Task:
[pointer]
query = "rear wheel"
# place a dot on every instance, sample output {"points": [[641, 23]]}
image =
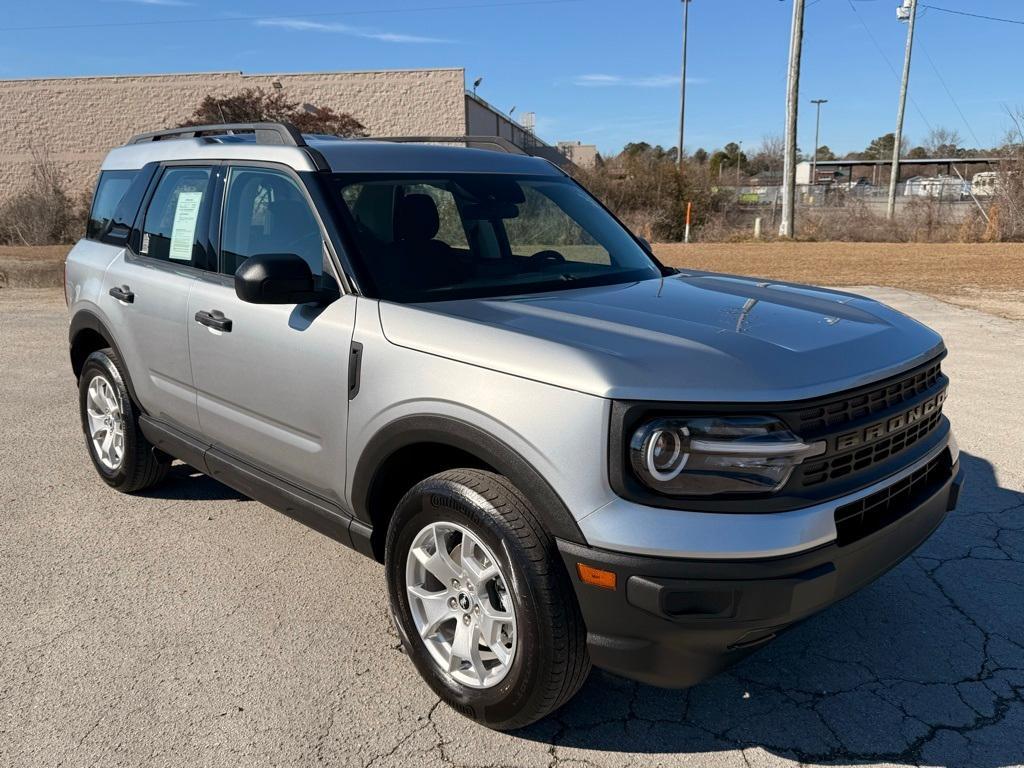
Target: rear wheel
{"points": [[119, 451], [481, 600]]}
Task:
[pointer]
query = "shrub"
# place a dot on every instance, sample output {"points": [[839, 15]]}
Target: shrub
{"points": [[254, 105], [42, 212]]}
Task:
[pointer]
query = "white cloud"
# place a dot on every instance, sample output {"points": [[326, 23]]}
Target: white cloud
{"points": [[622, 81], [301, 25]]}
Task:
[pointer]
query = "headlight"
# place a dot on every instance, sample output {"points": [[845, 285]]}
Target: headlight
{"points": [[709, 456]]}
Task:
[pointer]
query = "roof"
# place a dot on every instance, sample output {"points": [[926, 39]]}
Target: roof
{"points": [[905, 161], [342, 155]]}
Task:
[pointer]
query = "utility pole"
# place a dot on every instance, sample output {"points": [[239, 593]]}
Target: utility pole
{"points": [[788, 226], [817, 131], [903, 15], [682, 86]]}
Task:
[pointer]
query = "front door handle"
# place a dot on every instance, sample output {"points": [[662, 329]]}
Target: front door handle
{"points": [[214, 319], [123, 293]]}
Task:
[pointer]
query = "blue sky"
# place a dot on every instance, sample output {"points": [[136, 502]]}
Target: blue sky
{"points": [[600, 71]]}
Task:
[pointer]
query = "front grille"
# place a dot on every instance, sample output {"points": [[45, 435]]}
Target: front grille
{"points": [[868, 403], [861, 518], [848, 463]]}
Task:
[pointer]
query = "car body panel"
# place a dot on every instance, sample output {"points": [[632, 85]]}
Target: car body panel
{"points": [[274, 390], [694, 337], [565, 440], [149, 334]]}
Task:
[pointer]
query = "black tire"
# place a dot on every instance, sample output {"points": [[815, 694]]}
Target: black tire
{"points": [[551, 660], [140, 466]]}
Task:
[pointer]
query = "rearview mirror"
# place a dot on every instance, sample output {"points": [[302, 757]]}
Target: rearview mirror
{"points": [[276, 278]]}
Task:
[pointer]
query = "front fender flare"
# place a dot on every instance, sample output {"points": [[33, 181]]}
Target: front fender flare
{"points": [[449, 431]]}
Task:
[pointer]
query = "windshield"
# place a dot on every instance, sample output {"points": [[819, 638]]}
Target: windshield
{"points": [[435, 238]]}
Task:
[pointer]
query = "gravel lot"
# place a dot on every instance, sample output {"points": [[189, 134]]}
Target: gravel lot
{"points": [[193, 627]]}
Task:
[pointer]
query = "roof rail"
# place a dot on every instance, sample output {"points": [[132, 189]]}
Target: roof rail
{"points": [[498, 142], [281, 134], [277, 134]]}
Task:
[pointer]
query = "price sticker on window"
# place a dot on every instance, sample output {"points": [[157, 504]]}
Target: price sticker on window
{"points": [[183, 232]]}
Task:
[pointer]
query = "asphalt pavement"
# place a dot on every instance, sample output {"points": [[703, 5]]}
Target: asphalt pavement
{"points": [[193, 627]]}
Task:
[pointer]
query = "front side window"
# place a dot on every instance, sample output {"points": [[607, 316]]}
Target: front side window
{"points": [[174, 219], [265, 212], [109, 191], [475, 235]]}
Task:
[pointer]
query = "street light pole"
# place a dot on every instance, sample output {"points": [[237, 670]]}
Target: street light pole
{"points": [[894, 177], [796, 39], [817, 131], [682, 86]]}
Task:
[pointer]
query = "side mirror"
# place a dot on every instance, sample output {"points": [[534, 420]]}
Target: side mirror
{"points": [[276, 278], [646, 245]]}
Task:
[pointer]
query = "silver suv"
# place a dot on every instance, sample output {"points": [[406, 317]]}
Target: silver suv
{"points": [[457, 362]]}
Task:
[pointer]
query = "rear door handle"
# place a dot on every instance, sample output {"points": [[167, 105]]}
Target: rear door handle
{"points": [[214, 319], [123, 293]]}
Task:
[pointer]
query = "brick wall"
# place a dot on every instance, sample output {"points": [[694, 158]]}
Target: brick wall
{"points": [[76, 120]]}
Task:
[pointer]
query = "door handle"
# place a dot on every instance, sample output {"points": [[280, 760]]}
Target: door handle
{"points": [[214, 319], [123, 293]]}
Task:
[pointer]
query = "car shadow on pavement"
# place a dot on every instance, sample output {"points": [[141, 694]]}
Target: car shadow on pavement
{"points": [[923, 667], [184, 483]]}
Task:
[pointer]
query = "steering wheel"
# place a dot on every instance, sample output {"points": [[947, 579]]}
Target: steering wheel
{"points": [[548, 257]]}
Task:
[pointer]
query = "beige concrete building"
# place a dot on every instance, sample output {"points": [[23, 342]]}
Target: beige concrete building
{"points": [[583, 155], [76, 120]]}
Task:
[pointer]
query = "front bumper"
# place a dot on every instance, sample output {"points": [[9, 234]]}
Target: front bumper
{"points": [[676, 622]]}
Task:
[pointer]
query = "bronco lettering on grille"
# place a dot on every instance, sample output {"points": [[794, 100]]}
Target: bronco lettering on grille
{"points": [[889, 426]]}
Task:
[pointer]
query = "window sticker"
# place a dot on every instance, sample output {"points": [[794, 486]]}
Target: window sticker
{"points": [[183, 233]]}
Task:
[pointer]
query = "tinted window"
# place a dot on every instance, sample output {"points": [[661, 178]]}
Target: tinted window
{"points": [[476, 235], [109, 191], [266, 212], [174, 219]]}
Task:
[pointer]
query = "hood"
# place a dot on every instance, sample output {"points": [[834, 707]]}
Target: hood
{"points": [[691, 337]]}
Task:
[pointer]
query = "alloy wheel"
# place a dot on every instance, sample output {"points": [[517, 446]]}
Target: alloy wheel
{"points": [[105, 422], [460, 604]]}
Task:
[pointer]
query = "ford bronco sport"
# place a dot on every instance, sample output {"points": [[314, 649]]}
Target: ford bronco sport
{"points": [[458, 363]]}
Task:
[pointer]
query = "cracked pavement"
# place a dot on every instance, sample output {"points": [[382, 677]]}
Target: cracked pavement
{"points": [[195, 627]]}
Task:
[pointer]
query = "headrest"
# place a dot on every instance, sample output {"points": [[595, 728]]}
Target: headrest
{"points": [[416, 218]]}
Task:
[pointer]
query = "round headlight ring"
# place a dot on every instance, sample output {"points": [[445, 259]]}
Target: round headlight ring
{"points": [[650, 459]]}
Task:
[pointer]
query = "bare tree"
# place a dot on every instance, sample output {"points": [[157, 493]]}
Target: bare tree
{"points": [[41, 212], [769, 155], [942, 142]]}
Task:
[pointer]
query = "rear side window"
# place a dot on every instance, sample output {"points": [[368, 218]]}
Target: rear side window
{"points": [[176, 218], [109, 191]]}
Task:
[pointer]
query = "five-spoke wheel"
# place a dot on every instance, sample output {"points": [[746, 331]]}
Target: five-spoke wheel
{"points": [[105, 422], [459, 600], [110, 420], [481, 599]]}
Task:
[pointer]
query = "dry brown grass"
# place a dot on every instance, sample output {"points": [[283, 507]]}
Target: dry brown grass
{"points": [[987, 276], [37, 266]]}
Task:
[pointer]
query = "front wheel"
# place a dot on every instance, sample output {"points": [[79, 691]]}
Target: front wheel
{"points": [[481, 600], [118, 449]]}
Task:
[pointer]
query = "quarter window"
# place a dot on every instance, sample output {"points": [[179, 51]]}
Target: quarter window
{"points": [[109, 191], [174, 219], [266, 212]]}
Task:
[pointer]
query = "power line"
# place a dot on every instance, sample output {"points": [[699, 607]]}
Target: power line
{"points": [[233, 19], [885, 58], [975, 15], [935, 69]]}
